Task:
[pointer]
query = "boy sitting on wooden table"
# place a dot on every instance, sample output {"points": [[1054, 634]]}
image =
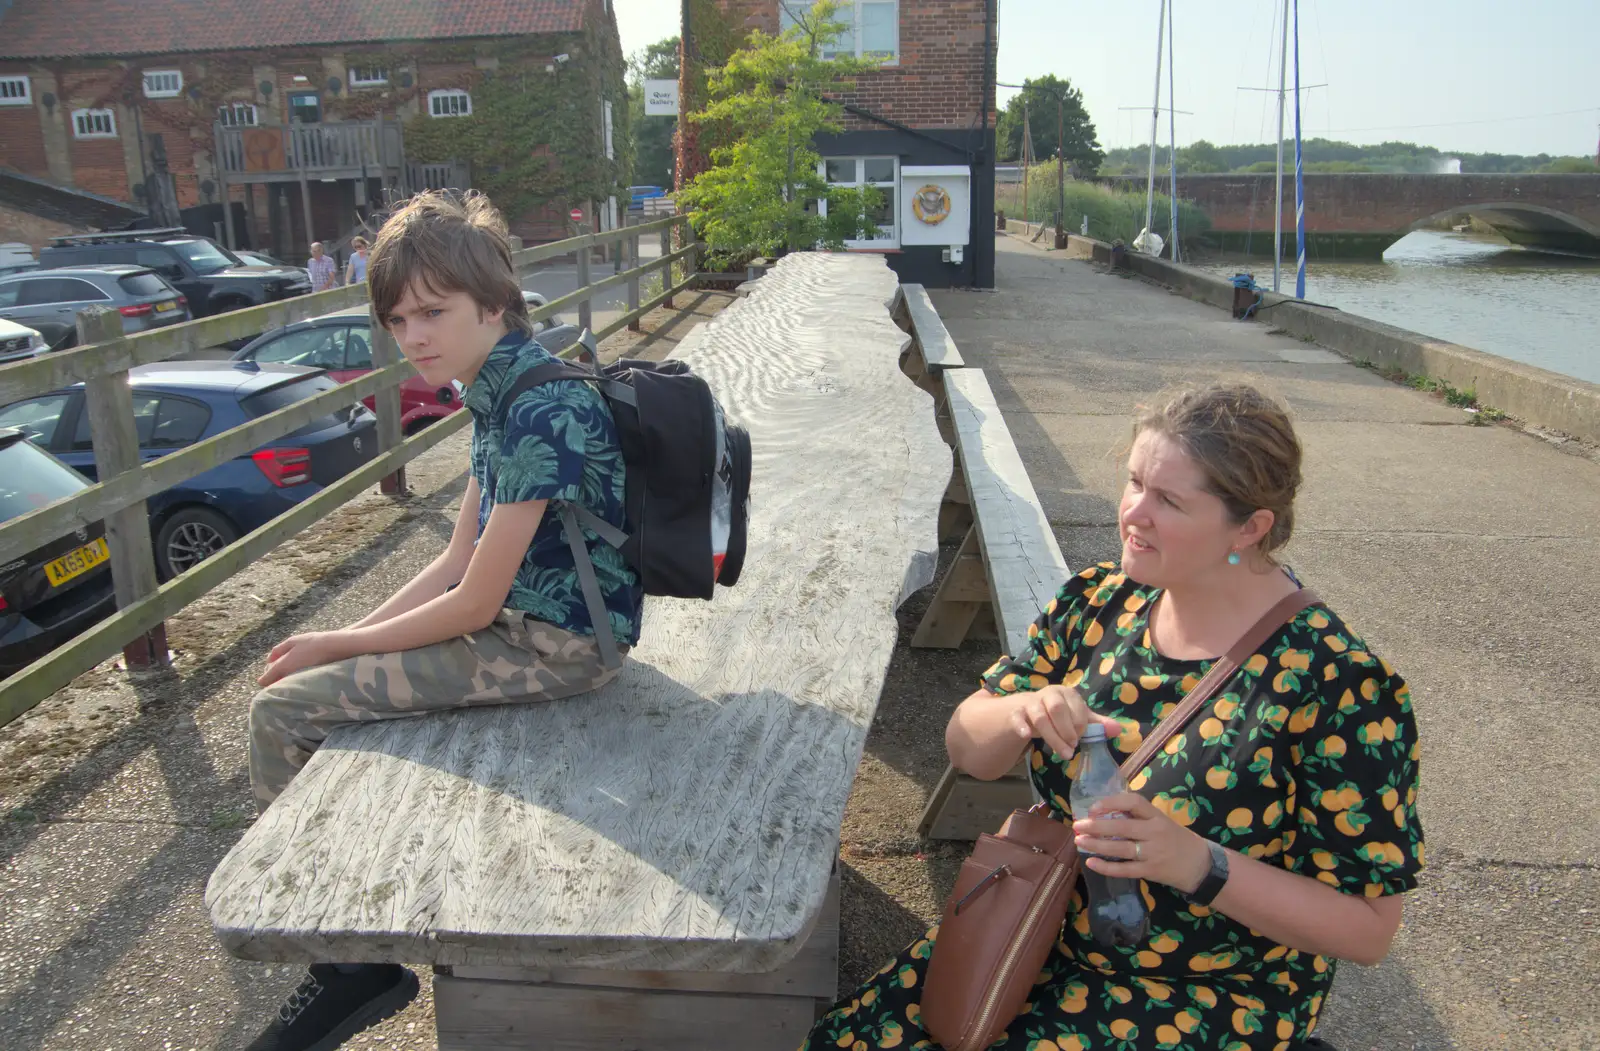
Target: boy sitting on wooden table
{"points": [[499, 617]]}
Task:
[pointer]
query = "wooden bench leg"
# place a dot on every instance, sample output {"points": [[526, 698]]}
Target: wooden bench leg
{"points": [[961, 595], [963, 807], [505, 1008], [955, 511]]}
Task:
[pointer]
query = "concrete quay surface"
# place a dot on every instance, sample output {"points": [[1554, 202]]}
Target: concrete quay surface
{"points": [[1469, 556]]}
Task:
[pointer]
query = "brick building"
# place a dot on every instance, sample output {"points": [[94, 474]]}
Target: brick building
{"points": [[921, 128], [300, 111]]}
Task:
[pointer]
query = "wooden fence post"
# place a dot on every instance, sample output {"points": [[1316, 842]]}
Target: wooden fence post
{"points": [[668, 282], [115, 438], [585, 305], [633, 282], [386, 352]]}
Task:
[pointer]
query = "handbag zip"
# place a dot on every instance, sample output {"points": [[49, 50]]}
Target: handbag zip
{"points": [[1009, 963]]}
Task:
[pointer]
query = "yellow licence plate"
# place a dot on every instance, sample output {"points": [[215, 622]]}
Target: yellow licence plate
{"points": [[77, 563], [162, 308]]}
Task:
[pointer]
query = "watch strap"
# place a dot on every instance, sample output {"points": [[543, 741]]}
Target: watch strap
{"points": [[1214, 879]]}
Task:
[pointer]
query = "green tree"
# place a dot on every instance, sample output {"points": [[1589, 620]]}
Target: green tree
{"points": [[1053, 106], [653, 160], [760, 195], [1201, 158], [1570, 166]]}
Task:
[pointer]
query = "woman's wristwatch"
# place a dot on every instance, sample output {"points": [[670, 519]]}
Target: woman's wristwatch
{"points": [[1214, 879]]}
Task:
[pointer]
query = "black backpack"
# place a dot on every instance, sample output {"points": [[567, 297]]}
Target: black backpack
{"points": [[687, 490]]}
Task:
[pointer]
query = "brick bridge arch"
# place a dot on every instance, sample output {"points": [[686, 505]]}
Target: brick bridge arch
{"points": [[1358, 216]]}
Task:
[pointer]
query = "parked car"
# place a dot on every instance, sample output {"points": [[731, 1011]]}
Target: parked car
{"points": [[640, 194], [57, 590], [178, 403], [214, 279], [250, 258], [341, 342], [16, 257], [19, 342], [49, 300]]}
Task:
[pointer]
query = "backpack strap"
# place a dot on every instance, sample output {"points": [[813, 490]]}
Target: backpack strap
{"points": [[598, 617], [539, 375], [571, 514]]}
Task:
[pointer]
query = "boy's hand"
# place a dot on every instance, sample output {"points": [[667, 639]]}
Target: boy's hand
{"points": [[299, 652]]}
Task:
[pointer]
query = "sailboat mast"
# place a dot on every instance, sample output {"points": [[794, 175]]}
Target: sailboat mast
{"points": [[1155, 120], [1299, 170], [1172, 128], [1277, 214]]}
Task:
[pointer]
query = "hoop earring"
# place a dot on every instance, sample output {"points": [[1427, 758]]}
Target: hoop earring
{"points": [[1233, 558]]}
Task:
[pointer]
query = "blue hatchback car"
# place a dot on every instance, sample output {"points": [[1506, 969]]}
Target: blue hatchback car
{"points": [[178, 403]]}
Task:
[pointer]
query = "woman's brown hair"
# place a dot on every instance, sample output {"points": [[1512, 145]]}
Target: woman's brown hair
{"points": [[1243, 443]]}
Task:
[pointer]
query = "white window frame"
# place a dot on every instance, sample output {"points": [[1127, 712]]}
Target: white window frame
{"points": [[86, 118], [369, 76], [238, 115], [435, 97], [164, 92], [8, 91], [789, 9], [890, 235], [608, 129]]}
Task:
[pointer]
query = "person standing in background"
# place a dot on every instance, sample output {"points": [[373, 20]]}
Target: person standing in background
{"points": [[355, 271], [324, 274]]}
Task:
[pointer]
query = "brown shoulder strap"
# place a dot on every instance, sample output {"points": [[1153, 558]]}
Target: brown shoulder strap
{"points": [[1269, 625]]}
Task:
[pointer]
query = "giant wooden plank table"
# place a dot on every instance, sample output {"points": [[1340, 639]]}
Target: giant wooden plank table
{"points": [[647, 866]]}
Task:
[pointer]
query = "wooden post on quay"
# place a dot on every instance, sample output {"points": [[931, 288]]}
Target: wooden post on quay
{"points": [[386, 352], [668, 282], [115, 438], [632, 253], [586, 304]]}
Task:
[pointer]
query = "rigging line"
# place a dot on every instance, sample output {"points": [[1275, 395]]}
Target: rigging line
{"points": [[1463, 123]]}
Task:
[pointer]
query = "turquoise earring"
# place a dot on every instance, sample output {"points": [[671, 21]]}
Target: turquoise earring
{"points": [[1233, 558]]}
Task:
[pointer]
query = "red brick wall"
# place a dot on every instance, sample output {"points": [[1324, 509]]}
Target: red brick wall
{"points": [[32, 230], [939, 80], [98, 165], [20, 134]]}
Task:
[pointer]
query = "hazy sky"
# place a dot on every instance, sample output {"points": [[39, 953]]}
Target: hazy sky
{"points": [[1509, 76]]}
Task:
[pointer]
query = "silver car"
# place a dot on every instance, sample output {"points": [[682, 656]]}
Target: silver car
{"points": [[49, 300]]}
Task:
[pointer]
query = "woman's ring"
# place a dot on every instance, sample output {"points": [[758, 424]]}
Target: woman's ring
{"points": [[1138, 850]]}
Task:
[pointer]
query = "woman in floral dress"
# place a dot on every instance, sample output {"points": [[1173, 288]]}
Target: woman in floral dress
{"points": [[1303, 769]]}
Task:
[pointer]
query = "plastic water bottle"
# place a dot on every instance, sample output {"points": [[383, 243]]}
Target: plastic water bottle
{"points": [[1117, 915]]}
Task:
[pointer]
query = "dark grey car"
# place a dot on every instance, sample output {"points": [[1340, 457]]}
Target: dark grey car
{"points": [[49, 300]]}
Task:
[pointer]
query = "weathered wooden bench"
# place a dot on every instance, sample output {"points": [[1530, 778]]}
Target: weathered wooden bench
{"points": [[1006, 570], [654, 864], [931, 352]]}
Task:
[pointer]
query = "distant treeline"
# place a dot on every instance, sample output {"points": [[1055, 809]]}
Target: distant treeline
{"points": [[1326, 155]]}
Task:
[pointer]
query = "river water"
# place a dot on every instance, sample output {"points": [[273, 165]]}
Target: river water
{"points": [[1477, 291]]}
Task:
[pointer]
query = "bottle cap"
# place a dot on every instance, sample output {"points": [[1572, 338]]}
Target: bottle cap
{"points": [[1093, 733]]}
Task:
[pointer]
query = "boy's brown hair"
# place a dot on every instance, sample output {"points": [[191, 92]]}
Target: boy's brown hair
{"points": [[447, 242]]}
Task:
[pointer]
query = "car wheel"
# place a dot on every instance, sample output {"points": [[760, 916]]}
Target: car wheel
{"points": [[418, 424], [188, 537], [69, 338]]}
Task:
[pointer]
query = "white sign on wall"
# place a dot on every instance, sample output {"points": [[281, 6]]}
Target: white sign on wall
{"points": [[935, 204], [661, 98]]}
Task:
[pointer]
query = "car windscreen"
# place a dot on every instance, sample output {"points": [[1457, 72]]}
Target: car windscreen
{"points": [[145, 284], [30, 479], [205, 257], [284, 395]]}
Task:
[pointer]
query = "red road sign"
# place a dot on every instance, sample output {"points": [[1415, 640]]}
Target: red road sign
{"points": [[577, 215]]}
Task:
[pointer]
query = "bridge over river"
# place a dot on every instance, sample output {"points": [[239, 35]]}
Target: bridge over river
{"points": [[1358, 216]]}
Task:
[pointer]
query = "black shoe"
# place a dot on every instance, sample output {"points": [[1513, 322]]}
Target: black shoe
{"points": [[331, 1006]]}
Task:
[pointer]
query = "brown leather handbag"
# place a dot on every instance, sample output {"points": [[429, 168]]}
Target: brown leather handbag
{"points": [[1010, 899]]}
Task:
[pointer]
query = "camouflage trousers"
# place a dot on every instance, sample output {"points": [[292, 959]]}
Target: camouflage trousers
{"points": [[515, 659]]}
